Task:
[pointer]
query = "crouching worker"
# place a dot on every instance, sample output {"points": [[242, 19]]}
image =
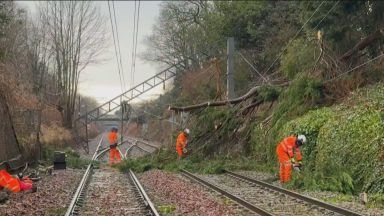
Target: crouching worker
{"points": [[181, 143], [14, 184], [288, 152], [114, 155]]}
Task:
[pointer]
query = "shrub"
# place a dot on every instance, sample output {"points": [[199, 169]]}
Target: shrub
{"points": [[55, 136], [353, 142], [345, 146]]}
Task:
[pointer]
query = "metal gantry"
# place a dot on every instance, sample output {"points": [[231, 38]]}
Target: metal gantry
{"points": [[129, 95]]}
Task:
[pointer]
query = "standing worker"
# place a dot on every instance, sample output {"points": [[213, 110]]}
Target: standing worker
{"points": [[114, 155], [288, 152], [181, 143]]}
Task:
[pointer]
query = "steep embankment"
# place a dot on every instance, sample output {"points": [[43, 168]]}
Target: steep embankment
{"points": [[345, 151]]}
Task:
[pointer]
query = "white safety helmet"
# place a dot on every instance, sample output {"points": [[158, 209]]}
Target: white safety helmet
{"points": [[302, 139], [186, 130]]}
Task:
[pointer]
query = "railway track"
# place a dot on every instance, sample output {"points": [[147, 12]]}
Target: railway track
{"points": [[141, 145], [128, 197], [265, 199]]}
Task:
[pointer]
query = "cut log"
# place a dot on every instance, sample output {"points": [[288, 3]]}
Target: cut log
{"points": [[363, 43]]}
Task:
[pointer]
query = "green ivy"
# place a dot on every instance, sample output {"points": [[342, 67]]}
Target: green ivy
{"points": [[345, 144]]}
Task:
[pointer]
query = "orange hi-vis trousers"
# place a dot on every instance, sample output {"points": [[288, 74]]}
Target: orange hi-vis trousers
{"points": [[286, 150], [285, 171], [9, 182], [114, 156]]}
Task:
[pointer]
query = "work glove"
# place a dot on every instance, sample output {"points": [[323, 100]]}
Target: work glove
{"points": [[185, 150], [296, 168], [293, 161]]}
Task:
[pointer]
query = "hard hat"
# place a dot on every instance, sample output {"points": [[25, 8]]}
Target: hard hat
{"points": [[302, 139], [186, 130]]}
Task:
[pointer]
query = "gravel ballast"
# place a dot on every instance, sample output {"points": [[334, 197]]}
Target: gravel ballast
{"points": [[352, 203], [54, 193], [111, 193], [186, 198]]}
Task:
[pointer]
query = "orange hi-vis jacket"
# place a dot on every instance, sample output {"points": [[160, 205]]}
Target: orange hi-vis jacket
{"points": [[287, 149], [112, 136], [9, 182], [181, 141]]}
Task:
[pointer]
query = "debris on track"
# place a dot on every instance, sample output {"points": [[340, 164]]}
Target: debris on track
{"points": [[54, 193], [180, 196]]}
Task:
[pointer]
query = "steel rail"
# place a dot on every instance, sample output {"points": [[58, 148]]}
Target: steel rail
{"points": [[142, 141], [104, 150], [296, 195], [135, 144], [131, 147], [77, 199], [243, 202], [148, 203]]}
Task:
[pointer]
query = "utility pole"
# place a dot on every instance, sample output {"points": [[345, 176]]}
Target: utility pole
{"points": [[230, 68], [122, 121], [124, 115], [86, 127]]}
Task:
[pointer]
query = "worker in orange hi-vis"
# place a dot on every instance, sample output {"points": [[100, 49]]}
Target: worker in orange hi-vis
{"points": [[181, 143], [288, 152], [114, 155], [14, 184]]}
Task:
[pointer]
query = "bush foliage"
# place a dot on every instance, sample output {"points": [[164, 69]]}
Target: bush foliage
{"points": [[345, 148]]}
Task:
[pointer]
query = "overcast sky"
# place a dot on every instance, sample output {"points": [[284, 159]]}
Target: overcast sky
{"points": [[101, 81]]}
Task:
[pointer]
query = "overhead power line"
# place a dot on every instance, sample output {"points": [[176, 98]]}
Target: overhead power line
{"points": [[134, 41], [137, 33], [346, 72], [118, 45], [252, 66], [326, 14], [297, 34], [116, 54]]}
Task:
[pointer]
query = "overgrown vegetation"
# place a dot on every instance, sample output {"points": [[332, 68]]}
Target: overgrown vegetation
{"points": [[344, 152], [166, 159], [40, 64], [306, 57]]}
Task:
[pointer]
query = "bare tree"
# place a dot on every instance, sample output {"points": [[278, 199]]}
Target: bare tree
{"points": [[177, 35], [77, 36]]}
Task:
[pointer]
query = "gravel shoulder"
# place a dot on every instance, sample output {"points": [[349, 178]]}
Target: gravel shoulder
{"points": [[54, 193]]}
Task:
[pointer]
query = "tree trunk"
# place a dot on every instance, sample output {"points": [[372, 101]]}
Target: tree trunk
{"points": [[363, 43], [250, 93], [9, 145]]}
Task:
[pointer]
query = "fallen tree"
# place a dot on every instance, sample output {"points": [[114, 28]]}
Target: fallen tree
{"points": [[249, 94], [363, 43]]}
